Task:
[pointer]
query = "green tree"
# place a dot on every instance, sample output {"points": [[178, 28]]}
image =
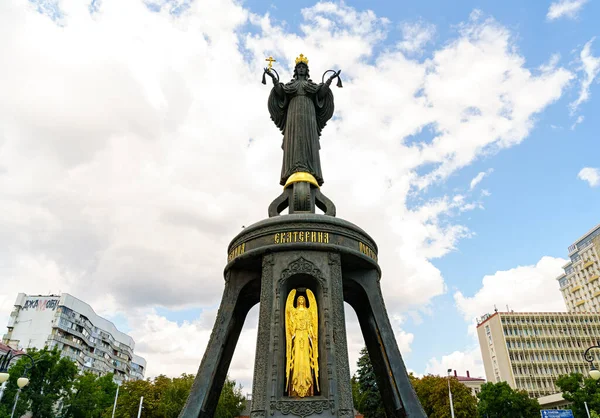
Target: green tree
{"points": [[50, 380], [165, 397], [578, 390], [174, 396], [365, 393], [356, 395], [433, 395], [129, 398], [231, 402], [91, 396], [499, 400]]}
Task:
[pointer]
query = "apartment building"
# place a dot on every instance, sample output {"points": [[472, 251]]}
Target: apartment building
{"points": [[580, 284], [138, 367], [530, 350], [71, 325]]}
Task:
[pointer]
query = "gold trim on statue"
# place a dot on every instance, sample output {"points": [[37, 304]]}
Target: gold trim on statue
{"points": [[301, 58], [301, 176]]}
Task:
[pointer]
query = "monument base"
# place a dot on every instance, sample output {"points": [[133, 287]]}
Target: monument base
{"points": [[337, 261]]}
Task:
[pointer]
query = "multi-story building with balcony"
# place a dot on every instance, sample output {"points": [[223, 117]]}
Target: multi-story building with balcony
{"points": [[71, 325], [580, 282], [531, 350], [138, 367]]}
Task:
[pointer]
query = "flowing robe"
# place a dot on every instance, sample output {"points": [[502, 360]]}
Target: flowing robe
{"points": [[301, 115], [302, 378]]}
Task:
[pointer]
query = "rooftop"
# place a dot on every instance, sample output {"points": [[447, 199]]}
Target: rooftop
{"points": [[484, 318], [6, 348], [468, 378], [574, 246]]}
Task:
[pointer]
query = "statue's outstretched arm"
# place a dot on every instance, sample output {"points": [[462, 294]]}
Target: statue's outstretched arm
{"points": [[324, 89], [276, 84], [278, 89]]}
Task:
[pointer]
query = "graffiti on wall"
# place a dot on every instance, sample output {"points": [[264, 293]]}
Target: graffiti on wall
{"points": [[41, 304]]}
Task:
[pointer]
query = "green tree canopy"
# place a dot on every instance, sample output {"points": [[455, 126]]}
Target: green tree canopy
{"points": [[129, 398], [578, 390], [433, 394], [91, 396], [50, 380], [365, 393], [231, 402], [174, 396], [499, 400], [165, 397]]}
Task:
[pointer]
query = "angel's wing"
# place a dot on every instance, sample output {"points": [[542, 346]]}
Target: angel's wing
{"points": [[289, 334], [314, 325]]}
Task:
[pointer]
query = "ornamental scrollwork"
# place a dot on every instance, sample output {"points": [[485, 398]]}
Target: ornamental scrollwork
{"points": [[302, 408], [302, 265]]}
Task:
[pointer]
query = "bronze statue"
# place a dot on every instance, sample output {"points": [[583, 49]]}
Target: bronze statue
{"points": [[300, 109], [302, 347]]}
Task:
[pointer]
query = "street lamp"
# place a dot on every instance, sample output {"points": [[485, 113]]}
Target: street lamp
{"points": [[594, 372], [449, 395], [21, 381]]}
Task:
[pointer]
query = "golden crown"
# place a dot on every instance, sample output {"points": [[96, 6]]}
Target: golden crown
{"points": [[301, 58]]}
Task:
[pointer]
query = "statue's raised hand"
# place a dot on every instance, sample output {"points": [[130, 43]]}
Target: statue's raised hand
{"points": [[270, 74], [333, 77]]}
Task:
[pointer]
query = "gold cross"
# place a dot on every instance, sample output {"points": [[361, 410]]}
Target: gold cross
{"points": [[271, 61]]}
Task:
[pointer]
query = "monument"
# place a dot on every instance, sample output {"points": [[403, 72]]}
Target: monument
{"points": [[302, 267]]}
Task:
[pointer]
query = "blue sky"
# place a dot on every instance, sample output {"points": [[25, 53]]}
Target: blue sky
{"points": [[537, 205], [115, 156]]}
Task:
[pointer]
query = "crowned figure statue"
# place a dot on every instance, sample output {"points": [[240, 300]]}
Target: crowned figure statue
{"points": [[300, 109]]}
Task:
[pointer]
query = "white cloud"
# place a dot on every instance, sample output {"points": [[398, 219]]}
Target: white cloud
{"points": [[415, 35], [579, 120], [591, 175], [565, 8], [477, 179], [123, 177], [531, 288], [461, 361], [590, 65]]}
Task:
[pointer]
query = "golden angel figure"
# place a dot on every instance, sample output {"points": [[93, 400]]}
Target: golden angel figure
{"points": [[302, 347]]}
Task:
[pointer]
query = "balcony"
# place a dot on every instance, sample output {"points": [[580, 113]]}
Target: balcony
{"points": [[575, 289], [73, 332], [594, 278], [587, 264], [581, 302]]}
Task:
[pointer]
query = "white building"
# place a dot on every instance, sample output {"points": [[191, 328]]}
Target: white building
{"points": [[138, 367], [71, 325], [530, 350], [580, 284]]}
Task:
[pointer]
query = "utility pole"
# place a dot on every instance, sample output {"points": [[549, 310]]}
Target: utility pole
{"points": [[116, 397], [140, 409], [449, 394]]}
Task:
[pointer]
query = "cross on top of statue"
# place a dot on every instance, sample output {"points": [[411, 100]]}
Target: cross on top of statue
{"points": [[271, 61]]}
